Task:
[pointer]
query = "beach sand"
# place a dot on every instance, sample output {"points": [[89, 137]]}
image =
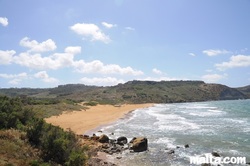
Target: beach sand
{"points": [[82, 121]]}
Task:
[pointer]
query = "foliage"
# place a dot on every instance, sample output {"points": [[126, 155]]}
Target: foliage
{"points": [[55, 145], [13, 114]]}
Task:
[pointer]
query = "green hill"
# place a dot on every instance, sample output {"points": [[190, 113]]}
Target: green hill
{"points": [[136, 92]]}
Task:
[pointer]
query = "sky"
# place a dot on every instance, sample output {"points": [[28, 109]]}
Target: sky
{"points": [[46, 43]]}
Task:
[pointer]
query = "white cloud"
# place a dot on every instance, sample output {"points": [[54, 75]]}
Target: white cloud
{"points": [[16, 78], [235, 61], [73, 50], [156, 71], [91, 31], [213, 78], [191, 54], [45, 77], [6, 56], [15, 81], [54, 61], [34, 46], [4, 21], [97, 66], [105, 81], [130, 28], [11, 76], [107, 25], [212, 52]]}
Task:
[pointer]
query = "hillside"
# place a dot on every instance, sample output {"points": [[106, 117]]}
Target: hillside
{"points": [[136, 92], [245, 90]]}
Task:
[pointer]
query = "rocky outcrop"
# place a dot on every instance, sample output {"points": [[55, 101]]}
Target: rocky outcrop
{"points": [[103, 139], [139, 144]]}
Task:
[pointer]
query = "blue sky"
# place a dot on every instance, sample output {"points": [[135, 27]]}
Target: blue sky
{"points": [[46, 43]]}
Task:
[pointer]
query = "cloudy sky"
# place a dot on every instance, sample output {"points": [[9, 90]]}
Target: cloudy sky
{"points": [[46, 43]]}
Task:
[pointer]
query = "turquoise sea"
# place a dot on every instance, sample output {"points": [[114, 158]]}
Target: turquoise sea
{"points": [[220, 126]]}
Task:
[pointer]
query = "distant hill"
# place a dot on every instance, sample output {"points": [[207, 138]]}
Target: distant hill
{"points": [[137, 92], [245, 90]]}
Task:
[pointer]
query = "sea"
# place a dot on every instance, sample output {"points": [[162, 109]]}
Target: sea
{"points": [[206, 127]]}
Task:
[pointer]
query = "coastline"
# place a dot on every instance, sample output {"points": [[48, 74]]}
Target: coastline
{"points": [[87, 120]]}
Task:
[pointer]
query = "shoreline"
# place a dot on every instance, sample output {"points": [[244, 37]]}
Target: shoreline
{"points": [[85, 121]]}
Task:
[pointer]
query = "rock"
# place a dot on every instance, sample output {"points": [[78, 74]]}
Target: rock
{"points": [[215, 154], [122, 140], [139, 144], [170, 152], [186, 146], [94, 137], [177, 147], [132, 140], [103, 139]]}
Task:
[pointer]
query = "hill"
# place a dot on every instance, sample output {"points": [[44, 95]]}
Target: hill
{"points": [[245, 90], [136, 92]]}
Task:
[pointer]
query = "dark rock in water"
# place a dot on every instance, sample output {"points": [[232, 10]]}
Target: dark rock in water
{"points": [[100, 131], [171, 152], [122, 140], [103, 139], [215, 154], [139, 144], [186, 146], [118, 157], [177, 147]]}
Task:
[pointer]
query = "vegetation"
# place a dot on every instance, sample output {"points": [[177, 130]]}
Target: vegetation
{"points": [[32, 141], [130, 92]]}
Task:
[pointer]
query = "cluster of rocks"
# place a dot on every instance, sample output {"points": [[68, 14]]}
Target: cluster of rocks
{"points": [[111, 146]]}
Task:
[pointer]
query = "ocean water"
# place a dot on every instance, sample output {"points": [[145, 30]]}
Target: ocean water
{"points": [[221, 126]]}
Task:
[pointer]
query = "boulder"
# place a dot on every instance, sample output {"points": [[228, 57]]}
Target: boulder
{"points": [[103, 138], [186, 146], [139, 144], [122, 140], [215, 154]]}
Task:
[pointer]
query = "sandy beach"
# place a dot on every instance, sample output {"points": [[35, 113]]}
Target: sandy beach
{"points": [[82, 121]]}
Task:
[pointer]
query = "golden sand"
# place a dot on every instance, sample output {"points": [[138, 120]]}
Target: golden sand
{"points": [[82, 121]]}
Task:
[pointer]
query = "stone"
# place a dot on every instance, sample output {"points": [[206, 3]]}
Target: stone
{"points": [[122, 140], [103, 138], [140, 144], [215, 154], [186, 146]]}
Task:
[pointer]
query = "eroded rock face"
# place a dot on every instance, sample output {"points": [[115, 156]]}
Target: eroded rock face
{"points": [[139, 144]]}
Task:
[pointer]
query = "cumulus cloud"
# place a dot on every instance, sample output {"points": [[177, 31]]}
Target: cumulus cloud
{"points": [[156, 71], [107, 25], [213, 78], [6, 56], [73, 50], [54, 61], [45, 77], [34, 46], [91, 31], [212, 52], [102, 81], [97, 66], [235, 61], [4, 21]]}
